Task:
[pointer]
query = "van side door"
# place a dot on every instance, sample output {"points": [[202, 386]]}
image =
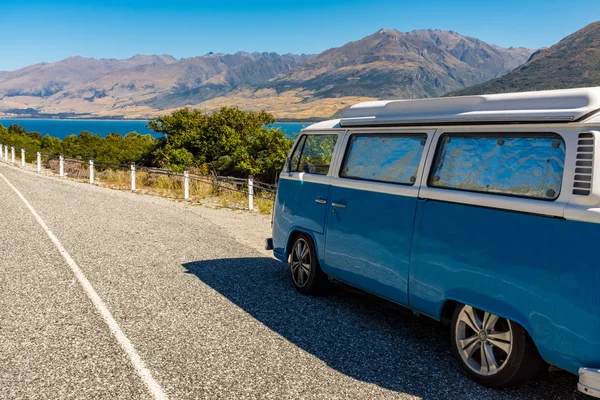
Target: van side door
{"points": [[303, 190], [489, 230], [372, 209]]}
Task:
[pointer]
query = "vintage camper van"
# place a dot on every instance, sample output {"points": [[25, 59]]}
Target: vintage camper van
{"points": [[481, 210]]}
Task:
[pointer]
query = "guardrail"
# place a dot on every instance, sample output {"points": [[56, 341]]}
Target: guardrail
{"points": [[248, 186]]}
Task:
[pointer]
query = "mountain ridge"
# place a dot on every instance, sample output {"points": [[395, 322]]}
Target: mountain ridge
{"points": [[572, 62], [420, 63], [385, 64]]}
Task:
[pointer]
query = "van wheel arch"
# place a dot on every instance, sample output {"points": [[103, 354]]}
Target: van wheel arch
{"points": [[522, 361], [307, 275], [450, 306], [291, 238], [447, 311]]}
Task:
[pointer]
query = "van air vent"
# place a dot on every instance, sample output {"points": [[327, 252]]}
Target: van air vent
{"points": [[582, 184]]}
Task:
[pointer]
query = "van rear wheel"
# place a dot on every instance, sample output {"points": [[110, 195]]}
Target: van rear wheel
{"points": [[491, 350], [307, 275]]}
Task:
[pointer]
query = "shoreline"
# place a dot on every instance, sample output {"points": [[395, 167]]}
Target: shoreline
{"points": [[60, 128], [279, 121], [2, 118]]}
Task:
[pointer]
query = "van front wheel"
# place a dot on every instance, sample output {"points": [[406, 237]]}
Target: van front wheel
{"points": [[307, 275], [491, 350]]}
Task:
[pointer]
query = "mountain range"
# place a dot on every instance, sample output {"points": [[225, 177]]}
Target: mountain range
{"points": [[386, 64], [572, 62]]}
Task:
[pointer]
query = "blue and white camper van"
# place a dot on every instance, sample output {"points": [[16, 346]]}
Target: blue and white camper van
{"points": [[482, 210]]}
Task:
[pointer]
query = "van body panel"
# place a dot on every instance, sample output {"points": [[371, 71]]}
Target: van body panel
{"points": [[528, 258], [515, 265], [368, 240], [301, 203]]}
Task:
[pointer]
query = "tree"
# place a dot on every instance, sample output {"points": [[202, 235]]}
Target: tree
{"points": [[231, 141], [18, 137], [112, 149]]}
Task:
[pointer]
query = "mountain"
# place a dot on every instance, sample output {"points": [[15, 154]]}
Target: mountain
{"points": [[227, 72], [386, 64], [393, 64], [573, 62], [141, 86], [46, 79]]}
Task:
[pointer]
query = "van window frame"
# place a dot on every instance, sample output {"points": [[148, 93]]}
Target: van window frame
{"points": [[422, 135], [436, 156], [303, 137]]}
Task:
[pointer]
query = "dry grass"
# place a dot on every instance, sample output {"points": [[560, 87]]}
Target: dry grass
{"points": [[206, 191], [298, 104], [114, 178], [74, 170], [290, 104]]}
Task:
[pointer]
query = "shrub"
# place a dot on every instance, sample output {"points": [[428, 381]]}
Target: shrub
{"points": [[230, 141]]}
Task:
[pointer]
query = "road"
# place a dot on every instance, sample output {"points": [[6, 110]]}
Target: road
{"points": [[205, 315]]}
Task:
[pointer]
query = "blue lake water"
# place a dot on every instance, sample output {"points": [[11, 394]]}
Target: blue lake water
{"points": [[62, 128]]}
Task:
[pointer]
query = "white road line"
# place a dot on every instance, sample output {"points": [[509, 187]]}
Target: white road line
{"points": [[139, 365]]}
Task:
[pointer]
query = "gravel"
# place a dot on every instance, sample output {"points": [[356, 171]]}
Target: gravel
{"points": [[211, 314], [52, 343]]}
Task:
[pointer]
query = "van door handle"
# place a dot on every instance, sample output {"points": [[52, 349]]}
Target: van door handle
{"points": [[340, 205], [320, 200]]}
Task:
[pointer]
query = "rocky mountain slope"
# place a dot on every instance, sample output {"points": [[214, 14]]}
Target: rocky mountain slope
{"points": [[136, 87], [393, 64], [572, 62], [386, 64]]}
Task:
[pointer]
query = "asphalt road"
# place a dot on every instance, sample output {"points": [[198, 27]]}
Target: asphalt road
{"points": [[207, 316]]}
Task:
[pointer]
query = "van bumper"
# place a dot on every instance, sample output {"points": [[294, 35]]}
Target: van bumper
{"points": [[589, 381], [269, 244]]}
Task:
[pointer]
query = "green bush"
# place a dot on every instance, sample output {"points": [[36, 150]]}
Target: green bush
{"points": [[229, 141], [114, 148], [16, 136]]}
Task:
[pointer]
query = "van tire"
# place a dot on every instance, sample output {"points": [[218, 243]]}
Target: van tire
{"points": [[313, 280], [520, 364]]}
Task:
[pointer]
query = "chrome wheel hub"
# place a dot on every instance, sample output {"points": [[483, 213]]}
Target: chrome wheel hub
{"points": [[484, 340], [300, 263]]}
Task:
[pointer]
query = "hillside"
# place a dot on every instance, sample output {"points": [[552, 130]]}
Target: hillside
{"points": [[393, 64], [386, 64], [573, 62], [141, 86]]}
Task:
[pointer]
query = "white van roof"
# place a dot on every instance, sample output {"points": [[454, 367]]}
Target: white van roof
{"points": [[566, 105]]}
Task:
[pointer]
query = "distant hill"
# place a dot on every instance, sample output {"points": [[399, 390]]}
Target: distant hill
{"points": [[386, 64], [573, 62], [141, 86], [393, 64]]}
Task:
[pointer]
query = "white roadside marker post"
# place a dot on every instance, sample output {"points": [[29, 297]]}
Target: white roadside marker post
{"points": [[39, 162], [12, 154], [91, 171], [186, 185], [61, 167], [133, 177], [1, 155], [251, 193], [22, 157], [6, 153]]}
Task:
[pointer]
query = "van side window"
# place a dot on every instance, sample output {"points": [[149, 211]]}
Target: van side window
{"points": [[384, 158], [517, 165], [316, 153], [295, 160]]}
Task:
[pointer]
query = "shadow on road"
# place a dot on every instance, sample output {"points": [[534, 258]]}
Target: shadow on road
{"points": [[360, 335]]}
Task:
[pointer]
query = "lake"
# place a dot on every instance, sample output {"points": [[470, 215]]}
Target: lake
{"points": [[62, 128]]}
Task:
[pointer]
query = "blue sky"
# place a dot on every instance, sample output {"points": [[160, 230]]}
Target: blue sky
{"points": [[35, 31]]}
